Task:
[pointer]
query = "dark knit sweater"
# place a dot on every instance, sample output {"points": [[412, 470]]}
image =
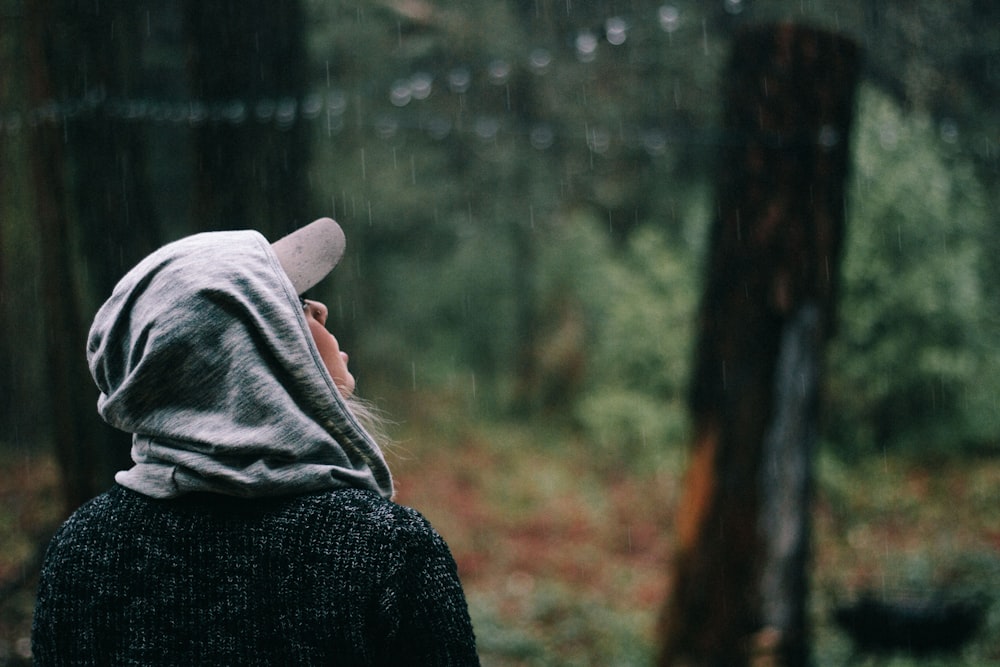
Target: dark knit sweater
{"points": [[334, 578]]}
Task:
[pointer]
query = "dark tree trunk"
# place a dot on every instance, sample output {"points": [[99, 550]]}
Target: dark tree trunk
{"points": [[8, 382], [248, 65], [739, 580], [93, 206], [76, 427], [97, 56]]}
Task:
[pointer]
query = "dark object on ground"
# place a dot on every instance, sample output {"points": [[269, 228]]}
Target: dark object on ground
{"points": [[919, 626]]}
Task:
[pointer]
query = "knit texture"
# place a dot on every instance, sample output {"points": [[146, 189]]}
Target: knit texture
{"points": [[340, 577]]}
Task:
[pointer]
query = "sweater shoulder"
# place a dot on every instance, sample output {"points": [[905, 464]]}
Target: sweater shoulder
{"points": [[385, 517], [298, 578], [121, 509]]}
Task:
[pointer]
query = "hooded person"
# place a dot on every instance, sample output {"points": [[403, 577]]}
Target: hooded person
{"points": [[256, 525]]}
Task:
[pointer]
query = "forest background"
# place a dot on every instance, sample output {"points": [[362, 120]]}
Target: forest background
{"points": [[527, 190]]}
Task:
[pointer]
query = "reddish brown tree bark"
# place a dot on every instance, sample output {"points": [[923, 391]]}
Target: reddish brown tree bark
{"points": [[739, 579]]}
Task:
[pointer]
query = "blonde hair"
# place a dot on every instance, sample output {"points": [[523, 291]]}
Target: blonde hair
{"points": [[371, 418]]}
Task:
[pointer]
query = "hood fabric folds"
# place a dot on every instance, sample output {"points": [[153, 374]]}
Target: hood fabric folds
{"points": [[203, 353]]}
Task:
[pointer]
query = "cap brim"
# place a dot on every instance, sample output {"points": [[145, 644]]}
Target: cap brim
{"points": [[309, 253]]}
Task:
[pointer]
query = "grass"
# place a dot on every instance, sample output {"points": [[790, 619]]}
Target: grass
{"points": [[564, 557]]}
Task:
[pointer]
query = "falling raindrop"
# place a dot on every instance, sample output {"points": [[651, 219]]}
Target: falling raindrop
{"points": [[197, 114], [669, 18], [541, 137], [285, 114], [598, 140], [949, 130], [616, 30], [459, 79], [400, 94], [586, 46], [421, 85], [487, 127], [539, 60], [336, 102], [499, 72], [235, 112], [386, 126], [312, 106]]}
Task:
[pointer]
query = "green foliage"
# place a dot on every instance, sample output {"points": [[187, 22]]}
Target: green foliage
{"points": [[481, 256], [557, 627], [641, 303], [537, 271], [458, 264], [912, 363], [453, 224]]}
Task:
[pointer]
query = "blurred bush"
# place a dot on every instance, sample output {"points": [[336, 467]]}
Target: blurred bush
{"points": [[557, 627], [913, 363]]}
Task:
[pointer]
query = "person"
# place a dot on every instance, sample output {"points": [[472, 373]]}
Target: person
{"points": [[256, 526]]}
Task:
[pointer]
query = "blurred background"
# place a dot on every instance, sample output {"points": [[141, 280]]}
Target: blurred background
{"points": [[528, 189]]}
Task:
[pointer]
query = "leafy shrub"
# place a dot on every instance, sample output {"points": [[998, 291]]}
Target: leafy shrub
{"points": [[912, 363], [639, 302]]}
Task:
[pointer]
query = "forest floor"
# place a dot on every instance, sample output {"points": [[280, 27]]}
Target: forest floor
{"points": [[564, 555]]}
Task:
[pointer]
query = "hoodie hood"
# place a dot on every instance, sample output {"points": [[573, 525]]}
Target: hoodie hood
{"points": [[203, 353]]}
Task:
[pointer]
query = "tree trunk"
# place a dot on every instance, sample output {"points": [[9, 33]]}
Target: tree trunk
{"points": [[8, 382], [739, 580], [99, 57], [76, 427], [248, 65]]}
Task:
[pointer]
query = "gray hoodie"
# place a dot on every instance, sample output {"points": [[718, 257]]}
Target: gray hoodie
{"points": [[203, 353]]}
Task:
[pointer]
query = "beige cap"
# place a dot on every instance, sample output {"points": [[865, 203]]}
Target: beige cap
{"points": [[310, 252]]}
